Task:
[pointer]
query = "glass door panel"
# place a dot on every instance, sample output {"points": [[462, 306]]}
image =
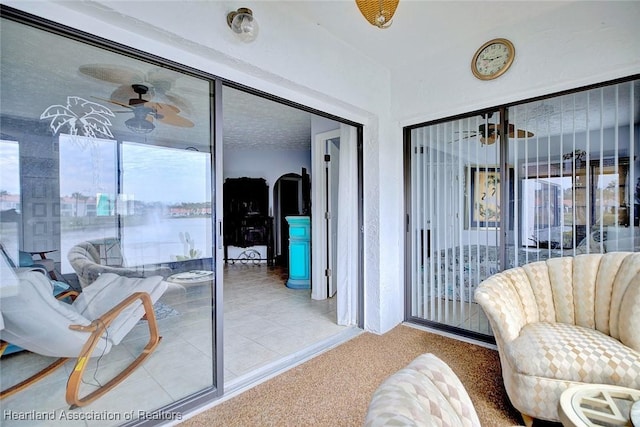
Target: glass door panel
{"points": [[575, 173], [109, 157], [456, 186]]}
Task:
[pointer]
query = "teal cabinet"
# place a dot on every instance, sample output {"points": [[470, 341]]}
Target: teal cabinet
{"points": [[299, 252]]}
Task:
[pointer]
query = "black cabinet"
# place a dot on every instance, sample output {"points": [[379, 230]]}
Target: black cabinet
{"points": [[246, 219]]}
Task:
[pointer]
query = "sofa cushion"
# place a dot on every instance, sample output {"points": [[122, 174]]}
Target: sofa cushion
{"points": [[426, 392], [408, 400], [573, 353]]}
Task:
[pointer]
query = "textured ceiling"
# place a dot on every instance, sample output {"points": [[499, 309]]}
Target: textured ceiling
{"points": [[254, 123]]}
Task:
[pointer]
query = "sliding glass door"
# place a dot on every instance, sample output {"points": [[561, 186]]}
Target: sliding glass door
{"points": [[455, 217], [532, 181], [108, 167]]}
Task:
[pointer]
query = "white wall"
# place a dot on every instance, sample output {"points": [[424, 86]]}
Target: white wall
{"points": [[576, 44]]}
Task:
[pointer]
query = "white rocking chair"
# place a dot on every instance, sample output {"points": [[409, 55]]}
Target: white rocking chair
{"points": [[98, 319]]}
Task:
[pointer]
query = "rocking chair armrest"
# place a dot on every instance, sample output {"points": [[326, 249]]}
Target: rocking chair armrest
{"points": [[101, 323], [70, 293]]}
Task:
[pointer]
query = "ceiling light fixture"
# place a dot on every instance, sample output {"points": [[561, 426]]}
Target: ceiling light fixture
{"points": [[378, 12], [243, 24], [141, 120]]}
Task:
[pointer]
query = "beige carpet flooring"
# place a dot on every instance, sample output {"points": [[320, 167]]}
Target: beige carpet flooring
{"points": [[334, 388]]}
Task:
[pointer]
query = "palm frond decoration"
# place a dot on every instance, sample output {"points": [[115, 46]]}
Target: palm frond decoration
{"points": [[82, 117]]}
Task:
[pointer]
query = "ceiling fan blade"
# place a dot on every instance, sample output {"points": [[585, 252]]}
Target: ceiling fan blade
{"points": [[521, 133], [114, 102], [464, 137], [492, 131], [109, 73], [169, 114], [177, 120], [161, 108], [490, 140], [179, 102], [162, 78]]}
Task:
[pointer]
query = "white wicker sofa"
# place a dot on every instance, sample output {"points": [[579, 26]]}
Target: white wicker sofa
{"points": [[565, 321]]}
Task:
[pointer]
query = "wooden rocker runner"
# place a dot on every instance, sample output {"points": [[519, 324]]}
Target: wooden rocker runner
{"points": [[99, 318]]}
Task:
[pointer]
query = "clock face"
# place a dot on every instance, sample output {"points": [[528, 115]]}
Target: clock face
{"points": [[492, 59]]}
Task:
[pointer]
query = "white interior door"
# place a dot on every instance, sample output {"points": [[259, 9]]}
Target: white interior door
{"points": [[332, 174], [324, 217]]}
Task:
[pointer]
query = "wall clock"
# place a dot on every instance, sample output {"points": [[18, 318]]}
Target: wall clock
{"points": [[493, 59]]}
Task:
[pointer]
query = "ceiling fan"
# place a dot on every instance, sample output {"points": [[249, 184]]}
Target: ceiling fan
{"points": [[159, 82], [145, 111], [490, 133]]}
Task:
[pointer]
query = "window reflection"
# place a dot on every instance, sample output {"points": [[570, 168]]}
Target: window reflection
{"points": [[75, 179], [9, 195], [87, 191], [169, 196]]}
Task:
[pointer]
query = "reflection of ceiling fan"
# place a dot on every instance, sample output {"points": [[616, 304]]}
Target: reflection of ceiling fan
{"points": [[159, 82], [145, 111], [489, 133]]}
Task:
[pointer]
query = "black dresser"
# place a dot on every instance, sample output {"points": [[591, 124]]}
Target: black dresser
{"points": [[246, 219]]}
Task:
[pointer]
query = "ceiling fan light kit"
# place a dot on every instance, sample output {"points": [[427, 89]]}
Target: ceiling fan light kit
{"points": [[139, 125], [243, 24], [378, 12]]}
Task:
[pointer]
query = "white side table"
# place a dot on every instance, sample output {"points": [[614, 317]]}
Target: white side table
{"points": [[192, 277], [594, 405]]}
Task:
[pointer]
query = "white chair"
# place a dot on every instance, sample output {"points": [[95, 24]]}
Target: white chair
{"points": [[92, 258], [564, 322], [99, 318]]}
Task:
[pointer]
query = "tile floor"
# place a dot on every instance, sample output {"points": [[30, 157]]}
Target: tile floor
{"points": [[265, 321], [265, 325]]}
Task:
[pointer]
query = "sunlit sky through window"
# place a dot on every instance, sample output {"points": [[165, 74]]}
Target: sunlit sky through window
{"points": [[150, 173]]}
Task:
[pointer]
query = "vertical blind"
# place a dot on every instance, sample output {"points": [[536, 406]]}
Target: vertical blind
{"points": [[564, 184]]}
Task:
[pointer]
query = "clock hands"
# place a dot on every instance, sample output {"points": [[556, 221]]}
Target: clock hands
{"points": [[491, 59]]}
